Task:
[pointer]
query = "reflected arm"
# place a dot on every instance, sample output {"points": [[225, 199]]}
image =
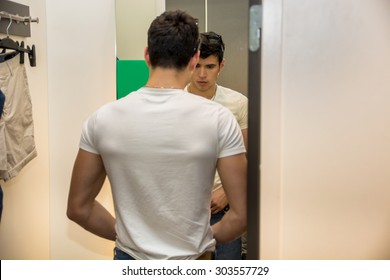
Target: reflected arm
{"points": [[218, 196], [232, 171]]}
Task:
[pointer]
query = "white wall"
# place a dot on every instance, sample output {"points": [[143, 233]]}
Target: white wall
{"points": [[133, 21], [24, 228], [81, 63], [75, 74], [326, 130]]}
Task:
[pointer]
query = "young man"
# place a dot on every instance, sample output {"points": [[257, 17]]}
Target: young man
{"points": [[204, 83], [160, 147]]}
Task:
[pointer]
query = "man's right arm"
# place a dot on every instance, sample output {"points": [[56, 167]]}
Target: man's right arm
{"points": [[232, 170], [87, 180]]}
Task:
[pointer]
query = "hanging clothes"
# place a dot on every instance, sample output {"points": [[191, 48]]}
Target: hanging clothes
{"points": [[2, 101], [17, 144], [1, 202]]}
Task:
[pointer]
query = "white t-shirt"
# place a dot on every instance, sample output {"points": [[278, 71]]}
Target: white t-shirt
{"points": [[160, 148], [237, 103]]}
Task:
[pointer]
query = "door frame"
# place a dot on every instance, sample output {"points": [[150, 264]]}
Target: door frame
{"points": [[254, 137]]}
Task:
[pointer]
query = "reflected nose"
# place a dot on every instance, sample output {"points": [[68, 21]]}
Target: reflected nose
{"points": [[202, 72]]}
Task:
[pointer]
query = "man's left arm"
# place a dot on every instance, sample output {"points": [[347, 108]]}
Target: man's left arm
{"points": [[232, 170], [218, 197]]}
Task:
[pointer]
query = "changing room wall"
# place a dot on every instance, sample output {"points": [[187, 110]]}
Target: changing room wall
{"points": [[325, 130]]}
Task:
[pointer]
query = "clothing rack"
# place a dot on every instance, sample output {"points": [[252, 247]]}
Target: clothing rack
{"points": [[16, 48], [15, 19], [18, 18]]}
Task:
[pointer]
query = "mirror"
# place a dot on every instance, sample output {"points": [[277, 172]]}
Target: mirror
{"points": [[228, 18]]}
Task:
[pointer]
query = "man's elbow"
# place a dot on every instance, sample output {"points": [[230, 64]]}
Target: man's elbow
{"points": [[243, 223], [75, 214], [71, 214]]}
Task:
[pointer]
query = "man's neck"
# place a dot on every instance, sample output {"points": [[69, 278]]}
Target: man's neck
{"points": [[209, 94], [167, 78]]}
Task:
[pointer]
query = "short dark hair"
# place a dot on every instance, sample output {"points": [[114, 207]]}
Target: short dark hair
{"points": [[211, 43], [173, 39]]}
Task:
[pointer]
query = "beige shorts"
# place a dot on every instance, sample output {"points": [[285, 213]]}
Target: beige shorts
{"points": [[17, 144]]}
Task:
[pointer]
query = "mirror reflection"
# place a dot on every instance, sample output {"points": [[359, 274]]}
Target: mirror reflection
{"points": [[226, 17], [229, 20]]}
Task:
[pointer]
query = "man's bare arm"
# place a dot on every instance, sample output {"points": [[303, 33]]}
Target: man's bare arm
{"points": [[87, 180], [218, 197], [232, 171]]}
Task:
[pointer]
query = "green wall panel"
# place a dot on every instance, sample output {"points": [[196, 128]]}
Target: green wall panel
{"points": [[130, 76]]}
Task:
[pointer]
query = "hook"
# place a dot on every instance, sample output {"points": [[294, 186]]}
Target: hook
{"points": [[10, 22]]}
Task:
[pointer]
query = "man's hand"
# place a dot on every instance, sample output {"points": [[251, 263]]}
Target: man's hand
{"points": [[218, 200]]}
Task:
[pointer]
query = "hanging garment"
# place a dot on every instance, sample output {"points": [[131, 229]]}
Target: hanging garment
{"points": [[8, 55], [2, 101], [17, 144], [1, 202]]}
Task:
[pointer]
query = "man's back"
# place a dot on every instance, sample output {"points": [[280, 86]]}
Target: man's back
{"points": [[160, 149]]}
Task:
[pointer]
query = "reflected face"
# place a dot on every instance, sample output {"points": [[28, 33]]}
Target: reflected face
{"points": [[206, 73]]}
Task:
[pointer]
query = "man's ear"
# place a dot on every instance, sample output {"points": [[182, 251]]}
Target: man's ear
{"points": [[146, 56], [194, 60]]}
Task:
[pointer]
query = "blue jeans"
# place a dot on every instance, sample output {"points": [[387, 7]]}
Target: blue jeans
{"points": [[119, 255], [226, 251], [1, 202]]}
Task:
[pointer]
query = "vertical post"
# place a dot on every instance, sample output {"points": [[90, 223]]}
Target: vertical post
{"points": [[254, 129], [206, 22]]}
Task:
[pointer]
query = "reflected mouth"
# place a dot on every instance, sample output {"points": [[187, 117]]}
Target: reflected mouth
{"points": [[202, 83]]}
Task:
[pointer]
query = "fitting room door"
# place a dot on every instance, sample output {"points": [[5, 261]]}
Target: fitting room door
{"points": [[254, 127]]}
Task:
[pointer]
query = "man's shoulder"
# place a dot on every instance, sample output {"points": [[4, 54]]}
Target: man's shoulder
{"points": [[230, 93]]}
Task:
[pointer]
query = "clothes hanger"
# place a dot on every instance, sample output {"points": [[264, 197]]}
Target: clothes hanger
{"points": [[9, 44], [30, 52]]}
